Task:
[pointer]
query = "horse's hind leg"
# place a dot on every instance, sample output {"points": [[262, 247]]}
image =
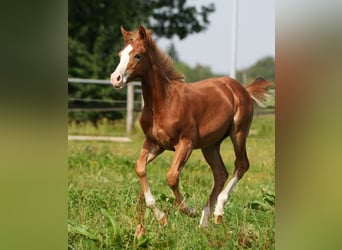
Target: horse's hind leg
{"points": [[238, 136], [213, 158]]}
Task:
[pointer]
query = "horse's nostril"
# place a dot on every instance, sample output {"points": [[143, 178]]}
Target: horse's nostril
{"points": [[118, 78]]}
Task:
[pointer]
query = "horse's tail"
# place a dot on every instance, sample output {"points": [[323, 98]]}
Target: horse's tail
{"points": [[258, 90]]}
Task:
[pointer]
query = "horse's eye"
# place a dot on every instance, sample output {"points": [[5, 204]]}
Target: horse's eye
{"points": [[137, 56]]}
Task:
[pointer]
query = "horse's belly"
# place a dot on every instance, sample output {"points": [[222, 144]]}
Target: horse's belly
{"points": [[214, 131], [211, 138]]}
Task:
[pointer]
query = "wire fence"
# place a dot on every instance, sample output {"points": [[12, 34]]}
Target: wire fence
{"points": [[129, 105]]}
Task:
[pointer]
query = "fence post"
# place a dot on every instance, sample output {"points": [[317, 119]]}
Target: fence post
{"points": [[130, 107]]}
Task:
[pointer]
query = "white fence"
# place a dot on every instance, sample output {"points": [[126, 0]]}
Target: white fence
{"points": [[129, 102]]}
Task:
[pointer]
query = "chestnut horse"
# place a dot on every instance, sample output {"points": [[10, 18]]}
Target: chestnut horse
{"points": [[182, 117]]}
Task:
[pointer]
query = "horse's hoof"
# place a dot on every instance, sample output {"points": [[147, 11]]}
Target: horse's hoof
{"points": [[203, 225], [192, 212], [218, 219], [163, 221], [140, 231]]}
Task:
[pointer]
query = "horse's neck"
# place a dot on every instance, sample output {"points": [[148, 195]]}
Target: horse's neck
{"points": [[155, 89]]}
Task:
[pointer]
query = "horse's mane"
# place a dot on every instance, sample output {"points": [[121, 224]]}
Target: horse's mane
{"points": [[162, 59], [165, 62]]}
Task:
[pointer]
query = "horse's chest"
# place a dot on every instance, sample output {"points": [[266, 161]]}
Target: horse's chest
{"points": [[162, 136]]}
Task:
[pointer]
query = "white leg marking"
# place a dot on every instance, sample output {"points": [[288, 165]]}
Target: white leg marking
{"points": [[205, 217], [223, 196], [149, 199], [151, 203]]}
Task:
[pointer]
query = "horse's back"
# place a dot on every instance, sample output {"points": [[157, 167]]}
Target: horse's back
{"points": [[223, 90], [213, 105], [227, 84]]}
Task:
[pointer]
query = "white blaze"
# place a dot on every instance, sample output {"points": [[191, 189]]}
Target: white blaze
{"points": [[120, 70]]}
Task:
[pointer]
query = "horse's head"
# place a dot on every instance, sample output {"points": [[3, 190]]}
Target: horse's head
{"points": [[132, 57]]}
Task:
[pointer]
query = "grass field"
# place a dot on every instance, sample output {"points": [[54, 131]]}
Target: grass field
{"points": [[103, 189]]}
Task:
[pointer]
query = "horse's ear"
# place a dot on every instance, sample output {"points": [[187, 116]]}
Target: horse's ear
{"points": [[142, 33], [125, 34], [123, 31]]}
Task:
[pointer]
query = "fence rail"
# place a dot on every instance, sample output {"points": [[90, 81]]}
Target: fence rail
{"points": [[83, 80], [129, 108], [96, 81]]}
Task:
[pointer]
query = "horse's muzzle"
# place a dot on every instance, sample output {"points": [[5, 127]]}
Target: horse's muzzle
{"points": [[117, 80]]}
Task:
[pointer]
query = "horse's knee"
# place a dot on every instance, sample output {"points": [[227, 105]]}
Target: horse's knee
{"points": [[172, 179], [140, 169]]}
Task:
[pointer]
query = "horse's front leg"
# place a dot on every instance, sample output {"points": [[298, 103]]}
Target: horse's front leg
{"points": [[148, 153], [182, 153]]}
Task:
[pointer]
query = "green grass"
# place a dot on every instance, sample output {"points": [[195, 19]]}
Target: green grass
{"points": [[103, 189]]}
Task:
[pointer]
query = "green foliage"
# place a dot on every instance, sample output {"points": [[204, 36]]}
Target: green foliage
{"points": [[197, 73], [103, 189], [176, 17], [264, 68], [80, 60]]}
